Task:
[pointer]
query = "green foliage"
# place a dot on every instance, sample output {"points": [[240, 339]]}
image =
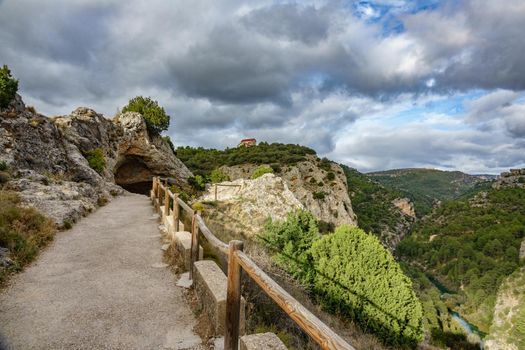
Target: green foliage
{"points": [[372, 203], [8, 87], [474, 247], [96, 160], [330, 176], [198, 206], [359, 278], [217, 176], [202, 161], [156, 118], [3, 166], [319, 195], [426, 186], [292, 240], [276, 168], [23, 231], [351, 274], [197, 182], [325, 164], [260, 171], [167, 139]]}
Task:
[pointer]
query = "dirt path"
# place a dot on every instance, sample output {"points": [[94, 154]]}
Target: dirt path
{"points": [[100, 285]]}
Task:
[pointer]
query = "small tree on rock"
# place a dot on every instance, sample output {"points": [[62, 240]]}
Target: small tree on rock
{"points": [[8, 87], [156, 118]]}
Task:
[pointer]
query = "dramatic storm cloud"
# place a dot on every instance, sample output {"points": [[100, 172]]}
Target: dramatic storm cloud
{"points": [[374, 84]]}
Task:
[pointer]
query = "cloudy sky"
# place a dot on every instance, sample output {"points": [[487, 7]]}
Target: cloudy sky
{"points": [[373, 84]]}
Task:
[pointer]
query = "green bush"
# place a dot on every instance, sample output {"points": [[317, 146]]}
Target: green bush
{"points": [[330, 176], [167, 139], [350, 273], [3, 166], [356, 276], [260, 171], [197, 182], [276, 168], [292, 239], [217, 176], [96, 160], [4, 177], [8, 87], [156, 118], [319, 195]]}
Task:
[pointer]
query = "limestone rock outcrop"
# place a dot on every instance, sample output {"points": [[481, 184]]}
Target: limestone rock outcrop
{"points": [[405, 206], [507, 324], [248, 204], [323, 192], [46, 158]]}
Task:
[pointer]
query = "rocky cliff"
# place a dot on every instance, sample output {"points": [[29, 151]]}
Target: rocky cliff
{"points": [[515, 178], [46, 158], [321, 190], [244, 206], [507, 331]]}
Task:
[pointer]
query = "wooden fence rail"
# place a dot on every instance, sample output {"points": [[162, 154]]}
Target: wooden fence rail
{"points": [[237, 261]]}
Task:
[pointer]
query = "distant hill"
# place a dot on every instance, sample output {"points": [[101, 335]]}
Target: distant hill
{"points": [[374, 205], [426, 187], [470, 246]]}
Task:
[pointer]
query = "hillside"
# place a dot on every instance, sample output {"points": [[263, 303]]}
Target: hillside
{"points": [[508, 325], [426, 187], [384, 212], [318, 184], [468, 247]]}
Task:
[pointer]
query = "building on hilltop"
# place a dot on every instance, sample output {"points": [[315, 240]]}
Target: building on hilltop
{"points": [[247, 143]]}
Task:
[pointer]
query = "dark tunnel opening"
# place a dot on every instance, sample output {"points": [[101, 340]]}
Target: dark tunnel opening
{"points": [[134, 175]]}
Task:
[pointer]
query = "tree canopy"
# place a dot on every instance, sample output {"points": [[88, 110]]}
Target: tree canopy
{"points": [[156, 118], [8, 87]]}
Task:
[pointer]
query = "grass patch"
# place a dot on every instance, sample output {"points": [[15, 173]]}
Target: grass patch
{"points": [[23, 231]]}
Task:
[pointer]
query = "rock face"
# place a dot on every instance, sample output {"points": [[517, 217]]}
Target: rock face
{"points": [[512, 178], [405, 206], [506, 331], [248, 204], [324, 195], [45, 157]]}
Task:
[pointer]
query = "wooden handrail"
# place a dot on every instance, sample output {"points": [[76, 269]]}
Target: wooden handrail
{"points": [[237, 259], [312, 325]]}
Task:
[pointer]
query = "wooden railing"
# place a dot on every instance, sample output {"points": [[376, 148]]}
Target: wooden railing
{"points": [[238, 260]]}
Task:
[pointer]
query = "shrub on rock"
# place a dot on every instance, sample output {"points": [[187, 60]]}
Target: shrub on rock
{"points": [[156, 118], [8, 87]]}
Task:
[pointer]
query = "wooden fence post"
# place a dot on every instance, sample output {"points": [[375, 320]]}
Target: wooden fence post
{"points": [[194, 242], [166, 202], [216, 192], [233, 300], [152, 194], [176, 212]]}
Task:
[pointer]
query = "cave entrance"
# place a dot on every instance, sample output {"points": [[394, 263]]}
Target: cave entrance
{"points": [[134, 175]]}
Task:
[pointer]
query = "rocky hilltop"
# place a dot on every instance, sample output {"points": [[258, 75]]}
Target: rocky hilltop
{"points": [[46, 159], [514, 178], [322, 191], [244, 206]]}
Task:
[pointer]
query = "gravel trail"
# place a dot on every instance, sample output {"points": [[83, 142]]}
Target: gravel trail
{"points": [[100, 285]]}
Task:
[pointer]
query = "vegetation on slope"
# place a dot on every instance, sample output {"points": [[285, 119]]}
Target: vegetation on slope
{"points": [[470, 246], [156, 118], [373, 206], [508, 327], [427, 186], [8, 87], [351, 274], [23, 231], [202, 161]]}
